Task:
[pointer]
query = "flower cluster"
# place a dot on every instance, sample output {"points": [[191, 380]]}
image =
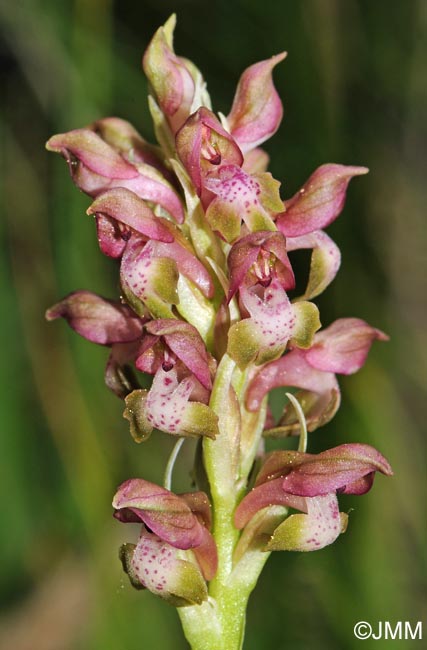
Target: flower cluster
{"points": [[202, 237]]}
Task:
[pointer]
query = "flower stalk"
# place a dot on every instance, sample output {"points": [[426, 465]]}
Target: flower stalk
{"points": [[202, 238]]}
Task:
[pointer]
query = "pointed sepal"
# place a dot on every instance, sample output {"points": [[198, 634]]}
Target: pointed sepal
{"points": [[169, 76], [319, 201], [97, 319], [343, 346], [257, 110]]}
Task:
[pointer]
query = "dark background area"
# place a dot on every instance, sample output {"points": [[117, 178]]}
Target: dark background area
{"points": [[354, 92]]}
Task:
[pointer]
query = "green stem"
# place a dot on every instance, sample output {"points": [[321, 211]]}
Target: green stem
{"points": [[219, 624]]}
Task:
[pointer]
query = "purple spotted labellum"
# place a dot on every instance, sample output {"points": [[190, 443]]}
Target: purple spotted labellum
{"points": [[169, 406], [309, 483], [177, 401], [273, 322], [175, 553], [253, 198]]}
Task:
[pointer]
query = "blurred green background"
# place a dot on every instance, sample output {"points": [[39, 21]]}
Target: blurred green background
{"points": [[354, 91]]}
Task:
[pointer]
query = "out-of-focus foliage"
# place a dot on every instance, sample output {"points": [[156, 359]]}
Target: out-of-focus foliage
{"points": [[354, 92]]}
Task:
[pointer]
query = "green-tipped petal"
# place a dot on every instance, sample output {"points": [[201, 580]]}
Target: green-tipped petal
{"points": [[306, 325], [325, 261], [243, 342], [140, 427]]}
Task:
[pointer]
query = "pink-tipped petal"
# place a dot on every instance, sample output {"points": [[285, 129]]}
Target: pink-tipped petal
{"points": [[343, 346], [319, 201], [257, 110], [151, 186], [165, 513], [100, 158], [126, 140], [97, 319]]}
